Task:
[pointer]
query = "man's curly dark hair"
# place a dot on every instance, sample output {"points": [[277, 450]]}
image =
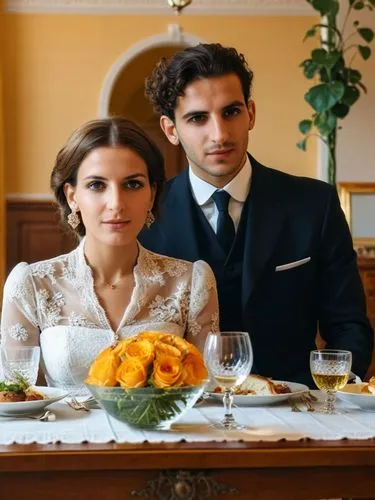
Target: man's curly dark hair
{"points": [[171, 76]]}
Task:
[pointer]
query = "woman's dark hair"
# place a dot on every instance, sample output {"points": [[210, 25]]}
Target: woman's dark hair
{"points": [[171, 76], [108, 132]]}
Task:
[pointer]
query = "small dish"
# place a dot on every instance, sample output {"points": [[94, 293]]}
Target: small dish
{"points": [[351, 393], [266, 400], [15, 409]]}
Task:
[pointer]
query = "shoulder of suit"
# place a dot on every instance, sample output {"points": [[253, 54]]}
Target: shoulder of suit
{"points": [[298, 186]]}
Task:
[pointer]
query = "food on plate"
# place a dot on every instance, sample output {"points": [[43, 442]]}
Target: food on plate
{"points": [[18, 390], [369, 387], [258, 386]]}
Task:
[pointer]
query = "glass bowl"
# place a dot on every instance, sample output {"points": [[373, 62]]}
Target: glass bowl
{"points": [[147, 407]]}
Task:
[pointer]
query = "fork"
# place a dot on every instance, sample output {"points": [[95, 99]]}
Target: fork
{"points": [[293, 405], [90, 403], [307, 401], [79, 405]]}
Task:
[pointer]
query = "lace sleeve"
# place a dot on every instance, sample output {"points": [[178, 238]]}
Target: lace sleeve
{"points": [[19, 322], [203, 315]]}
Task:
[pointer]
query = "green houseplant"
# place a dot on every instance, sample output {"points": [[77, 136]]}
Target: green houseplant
{"points": [[337, 85]]}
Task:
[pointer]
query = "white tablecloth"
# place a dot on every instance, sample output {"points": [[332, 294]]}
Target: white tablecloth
{"points": [[270, 423]]}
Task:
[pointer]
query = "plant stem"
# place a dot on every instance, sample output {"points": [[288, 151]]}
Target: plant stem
{"points": [[331, 142]]}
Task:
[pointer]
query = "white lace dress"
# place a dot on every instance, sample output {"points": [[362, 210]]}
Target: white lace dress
{"points": [[53, 303]]}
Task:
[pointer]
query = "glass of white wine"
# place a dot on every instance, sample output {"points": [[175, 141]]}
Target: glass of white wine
{"points": [[229, 358], [330, 369]]}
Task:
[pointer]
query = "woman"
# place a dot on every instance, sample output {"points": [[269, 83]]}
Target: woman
{"points": [[107, 180]]}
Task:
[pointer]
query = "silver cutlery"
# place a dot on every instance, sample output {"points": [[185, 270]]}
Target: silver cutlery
{"points": [[46, 416], [86, 405]]}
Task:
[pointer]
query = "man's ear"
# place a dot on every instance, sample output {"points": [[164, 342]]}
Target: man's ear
{"points": [[251, 110], [169, 129], [69, 192]]}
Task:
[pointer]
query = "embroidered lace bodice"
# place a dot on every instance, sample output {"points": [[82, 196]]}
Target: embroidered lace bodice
{"points": [[53, 303]]}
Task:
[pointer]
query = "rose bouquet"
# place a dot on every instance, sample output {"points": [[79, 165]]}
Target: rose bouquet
{"points": [[148, 380]]}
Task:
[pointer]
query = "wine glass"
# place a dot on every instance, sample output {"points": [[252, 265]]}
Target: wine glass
{"points": [[229, 358], [22, 360], [330, 369]]}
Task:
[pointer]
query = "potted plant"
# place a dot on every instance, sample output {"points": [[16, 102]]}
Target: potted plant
{"points": [[337, 84]]}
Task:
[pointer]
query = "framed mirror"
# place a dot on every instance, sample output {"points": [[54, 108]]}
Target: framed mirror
{"points": [[358, 204]]}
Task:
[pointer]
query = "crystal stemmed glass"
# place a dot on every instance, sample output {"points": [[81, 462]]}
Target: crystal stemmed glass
{"points": [[330, 370], [229, 358], [22, 360]]}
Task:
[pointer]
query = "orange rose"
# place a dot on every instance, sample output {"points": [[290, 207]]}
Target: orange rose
{"points": [[195, 371], [163, 349], [143, 350], [168, 372], [151, 336], [132, 373], [121, 346], [104, 368], [181, 344], [194, 350]]}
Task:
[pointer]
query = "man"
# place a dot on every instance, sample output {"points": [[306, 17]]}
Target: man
{"points": [[279, 245]]}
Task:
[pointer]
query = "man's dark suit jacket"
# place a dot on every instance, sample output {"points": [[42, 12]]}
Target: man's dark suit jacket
{"points": [[290, 218]]}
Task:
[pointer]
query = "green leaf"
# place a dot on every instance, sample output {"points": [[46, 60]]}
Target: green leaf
{"points": [[340, 110], [363, 87], [309, 33], [302, 144], [352, 75], [364, 51], [309, 68], [325, 123], [358, 5], [366, 33], [323, 6], [351, 95], [324, 96], [324, 58], [305, 126]]}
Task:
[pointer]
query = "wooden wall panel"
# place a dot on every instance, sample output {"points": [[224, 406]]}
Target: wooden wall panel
{"points": [[34, 232]]}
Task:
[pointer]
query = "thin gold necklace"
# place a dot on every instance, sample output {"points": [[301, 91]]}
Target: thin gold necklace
{"points": [[112, 286]]}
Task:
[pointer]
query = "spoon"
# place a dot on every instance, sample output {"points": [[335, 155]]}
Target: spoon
{"points": [[47, 416]]}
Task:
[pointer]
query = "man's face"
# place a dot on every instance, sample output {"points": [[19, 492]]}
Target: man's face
{"points": [[212, 121]]}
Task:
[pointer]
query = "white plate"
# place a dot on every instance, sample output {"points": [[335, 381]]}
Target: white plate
{"points": [[29, 407], [352, 394], [254, 400]]}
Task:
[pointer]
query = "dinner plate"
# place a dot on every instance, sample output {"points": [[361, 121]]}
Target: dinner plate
{"points": [[29, 407], [269, 399], [352, 394]]}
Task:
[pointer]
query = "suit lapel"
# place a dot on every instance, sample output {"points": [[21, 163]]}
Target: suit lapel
{"points": [[264, 222], [181, 217]]}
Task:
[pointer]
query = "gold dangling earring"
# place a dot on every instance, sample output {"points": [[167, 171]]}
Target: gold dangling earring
{"points": [[73, 219], [150, 219]]}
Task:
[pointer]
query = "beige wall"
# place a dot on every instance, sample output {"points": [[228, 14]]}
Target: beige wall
{"points": [[356, 145], [55, 66]]}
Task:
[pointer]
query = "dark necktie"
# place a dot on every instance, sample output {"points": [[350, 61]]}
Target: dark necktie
{"points": [[225, 227]]}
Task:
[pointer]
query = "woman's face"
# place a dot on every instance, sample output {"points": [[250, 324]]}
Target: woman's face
{"points": [[112, 194]]}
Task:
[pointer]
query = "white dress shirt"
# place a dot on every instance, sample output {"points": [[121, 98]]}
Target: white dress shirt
{"points": [[238, 188]]}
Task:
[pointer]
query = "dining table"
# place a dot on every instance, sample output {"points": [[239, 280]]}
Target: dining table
{"points": [[281, 454]]}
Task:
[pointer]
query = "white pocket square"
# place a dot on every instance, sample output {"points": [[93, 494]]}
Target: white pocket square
{"points": [[290, 265]]}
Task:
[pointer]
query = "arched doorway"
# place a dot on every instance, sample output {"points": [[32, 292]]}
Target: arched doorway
{"points": [[123, 90]]}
